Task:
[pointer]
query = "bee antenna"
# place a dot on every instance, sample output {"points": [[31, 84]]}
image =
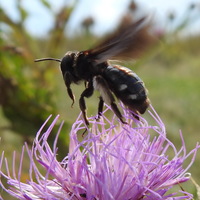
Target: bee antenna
{"points": [[44, 59]]}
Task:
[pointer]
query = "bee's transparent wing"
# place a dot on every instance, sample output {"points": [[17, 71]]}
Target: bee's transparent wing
{"points": [[129, 42]]}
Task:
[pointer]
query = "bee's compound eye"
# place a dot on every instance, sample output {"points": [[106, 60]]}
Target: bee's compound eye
{"points": [[67, 61]]}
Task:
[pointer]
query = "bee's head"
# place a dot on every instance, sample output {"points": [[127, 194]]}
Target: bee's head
{"points": [[68, 66], [67, 62]]}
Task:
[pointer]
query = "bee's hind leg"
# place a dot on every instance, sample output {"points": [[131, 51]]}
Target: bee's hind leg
{"points": [[101, 85], [100, 108]]}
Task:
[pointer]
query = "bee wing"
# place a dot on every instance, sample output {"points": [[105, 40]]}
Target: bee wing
{"points": [[129, 42]]}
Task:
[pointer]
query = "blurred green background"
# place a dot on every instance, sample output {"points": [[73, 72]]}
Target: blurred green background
{"points": [[30, 92]]}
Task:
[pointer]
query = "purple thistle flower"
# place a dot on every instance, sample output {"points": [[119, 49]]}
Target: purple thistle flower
{"points": [[112, 161]]}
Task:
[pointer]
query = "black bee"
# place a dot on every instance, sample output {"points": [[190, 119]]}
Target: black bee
{"points": [[92, 67]]}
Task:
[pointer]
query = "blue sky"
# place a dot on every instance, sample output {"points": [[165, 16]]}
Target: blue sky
{"points": [[106, 12]]}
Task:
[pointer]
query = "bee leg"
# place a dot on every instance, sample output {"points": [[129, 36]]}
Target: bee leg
{"points": [[136, 116], [69, 90], [100, 107], [71, 95], [117, 112], [101, 85], [86, 93]]}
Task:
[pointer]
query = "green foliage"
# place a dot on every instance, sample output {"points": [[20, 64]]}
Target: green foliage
{"points": [[28, 89]]}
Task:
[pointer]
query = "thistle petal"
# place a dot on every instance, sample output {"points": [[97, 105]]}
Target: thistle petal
{"points": [[113, 161]]}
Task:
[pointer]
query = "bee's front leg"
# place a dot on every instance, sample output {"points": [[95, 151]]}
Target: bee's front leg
{"points": [[69, 90]]}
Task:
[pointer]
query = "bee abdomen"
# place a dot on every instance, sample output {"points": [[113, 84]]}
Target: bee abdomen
{"points": [[127, 87]]}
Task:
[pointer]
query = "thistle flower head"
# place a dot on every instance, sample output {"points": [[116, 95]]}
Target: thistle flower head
{"points": [[112, 161]]}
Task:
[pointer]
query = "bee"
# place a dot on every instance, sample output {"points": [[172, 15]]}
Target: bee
{"points": [[112, 81]]}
